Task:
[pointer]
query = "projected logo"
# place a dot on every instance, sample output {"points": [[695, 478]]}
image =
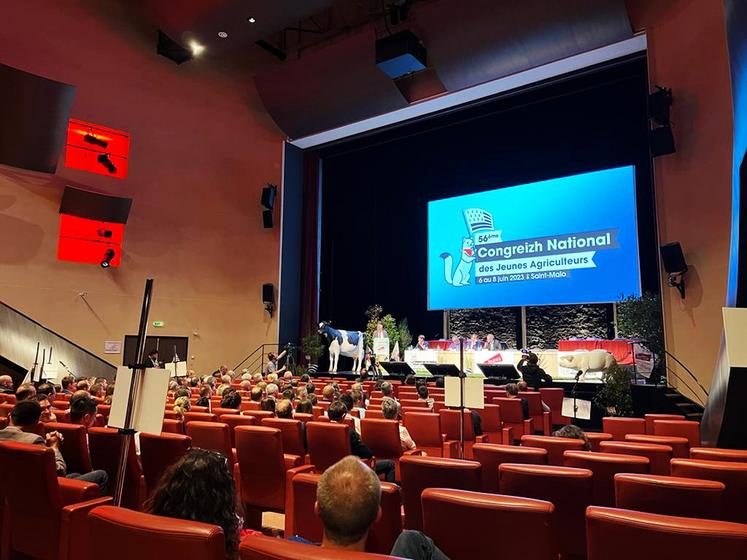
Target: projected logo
{"points": [[491, 260], [479, 227]]}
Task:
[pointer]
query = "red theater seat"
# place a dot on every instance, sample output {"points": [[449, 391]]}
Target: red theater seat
{"points": [[605, 466], [620, 534], [120, 534], [718, 454], [491, 456], [651, 418], [263, 470], [47, 514], [328, 442], [659, 456], [555, 446], [620, 427], [680, 446], [464, 525], [513, 417], [554, 399], [596, 438], [419, 473], [450, 427], [267, 548], [172, 426], [733, 475], [234, 420], [425, 430], [301, 520], [258, 414], [569, 489], [199, 417], [158, 453], [215, 436], [382, 438], [537, 412], [679, 428], [670, 495], [105, 445], [74, 447], [492, 425], [292, 433]]}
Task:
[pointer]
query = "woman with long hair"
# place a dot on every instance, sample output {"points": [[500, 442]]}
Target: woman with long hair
{"points": [[200, 487], [181, 407]]}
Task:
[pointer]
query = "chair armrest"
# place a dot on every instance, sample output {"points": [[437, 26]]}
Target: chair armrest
{"points": [[482, 439], [414, 451], [292, 461], [529, 426], [546, 425], [289, 474], [507, 435], [451, 449], [73, 491], [74, 537]]}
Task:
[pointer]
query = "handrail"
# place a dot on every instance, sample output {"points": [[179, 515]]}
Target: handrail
{"points": [[687, 370], [261, 350], [670, 370]]}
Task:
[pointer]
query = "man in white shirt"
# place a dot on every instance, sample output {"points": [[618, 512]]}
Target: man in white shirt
{"points": [[390, 410]]}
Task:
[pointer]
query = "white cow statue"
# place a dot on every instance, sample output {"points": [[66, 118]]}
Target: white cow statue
{"points": [[347, 343]]}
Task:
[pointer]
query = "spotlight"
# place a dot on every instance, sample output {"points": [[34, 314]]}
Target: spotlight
{"points": [[107, 233], [222, 34], [91, 139], [108, 256], [196, 48], [104, 160], [171, 49], [251, 20]]}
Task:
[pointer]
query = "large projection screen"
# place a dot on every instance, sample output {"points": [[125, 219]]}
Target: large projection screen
{"points": [[569, 240]]}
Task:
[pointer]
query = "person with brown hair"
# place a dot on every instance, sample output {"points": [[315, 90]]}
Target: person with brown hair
{"points": [[348, 501]]}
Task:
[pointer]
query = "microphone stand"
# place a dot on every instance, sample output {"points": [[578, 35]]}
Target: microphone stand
{"points": [[461, 398], [32, 371], [573, 394]]}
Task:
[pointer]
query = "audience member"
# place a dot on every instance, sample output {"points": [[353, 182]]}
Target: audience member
{"points": [[573, 432], [47, 389], [267, 404], [304, 406], [245, 385], [329, 394], [512, 392], [205, 394], [336, 413], [23, 419], [6, 385], [46, 409], [390, 410], [83, 411], [109, 394], [256, 394], [348, 502], [531, 372], [231, 400], [387, 389], [200, 487], [25, 392], [423, 395], [272, 363], [305, 378], [358, 402], [522, 386], [82, 385], [68, 384], [347, 400], [182, 392], [98, 390], [181, 407], [272, 390], [288, 393], [284, 409]]}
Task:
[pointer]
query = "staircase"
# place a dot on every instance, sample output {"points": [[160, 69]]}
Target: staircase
{"points": [[19, 335], [682, 405]]}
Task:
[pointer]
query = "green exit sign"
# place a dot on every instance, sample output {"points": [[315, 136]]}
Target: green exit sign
{"points": [[158, 323]]}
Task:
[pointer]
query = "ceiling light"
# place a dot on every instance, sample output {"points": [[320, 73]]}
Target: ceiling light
{"points": [[222, 34], [91, 139], [104, 160], [251, 20], [196, 48]]}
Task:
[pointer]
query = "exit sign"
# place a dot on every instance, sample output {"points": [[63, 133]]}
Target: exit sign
{"points": [[158, 323]]}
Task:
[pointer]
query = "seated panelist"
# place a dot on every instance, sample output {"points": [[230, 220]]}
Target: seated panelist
{"points": [[422, 344], [474, 344]]}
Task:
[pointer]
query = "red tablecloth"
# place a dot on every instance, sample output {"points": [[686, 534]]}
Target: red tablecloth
{"points": [[621, 349]]}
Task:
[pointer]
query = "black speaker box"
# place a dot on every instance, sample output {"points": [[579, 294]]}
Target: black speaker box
{"points": [[661, 141], [268, 293], [267, 219], [673, 258], [268, 196]]}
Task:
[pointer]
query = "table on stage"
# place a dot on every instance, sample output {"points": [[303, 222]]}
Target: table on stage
{"points": [[416, 359]]}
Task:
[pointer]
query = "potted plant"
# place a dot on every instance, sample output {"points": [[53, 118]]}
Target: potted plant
{"points": [[311, 345], [640, 318], [615, 396]]}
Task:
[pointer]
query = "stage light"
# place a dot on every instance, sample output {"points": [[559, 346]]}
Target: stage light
{"points": [[171, 49], [108, 256], [104, 232], [104, 160], [91, 139], [222, 34], [251, 20], [196, 48]]}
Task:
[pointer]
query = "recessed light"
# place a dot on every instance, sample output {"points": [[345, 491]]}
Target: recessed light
{"points": [[196, 48], [222, 34], [251, 20]]}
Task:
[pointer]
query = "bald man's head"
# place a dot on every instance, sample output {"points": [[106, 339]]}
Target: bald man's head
{"points": [[348, 497], [6, 382]]}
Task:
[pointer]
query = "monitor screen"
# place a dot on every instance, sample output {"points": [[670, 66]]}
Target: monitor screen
{"points": [[568, 240]]}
